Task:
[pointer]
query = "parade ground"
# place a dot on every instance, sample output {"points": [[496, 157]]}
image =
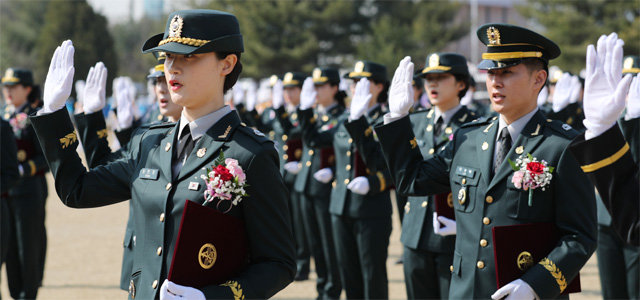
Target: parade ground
{"points": [[84, 257]]}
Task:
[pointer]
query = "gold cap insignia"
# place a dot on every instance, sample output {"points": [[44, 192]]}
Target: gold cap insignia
{"points": [[175, 28], [207, 256], [434, 60], [273, 79], [201, 152], [628, 63], [525, 261], [359, 67], [317, 73], [288, 77], [493, 34], [9, 72]]}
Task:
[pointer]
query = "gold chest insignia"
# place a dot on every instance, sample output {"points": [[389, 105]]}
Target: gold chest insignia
{"points": [[493, 34], [207, 256], [201, 152], [175, 27]]}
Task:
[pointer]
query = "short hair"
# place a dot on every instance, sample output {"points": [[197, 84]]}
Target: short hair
{"points": [[464, 78], [535, 64], [231, 78]]}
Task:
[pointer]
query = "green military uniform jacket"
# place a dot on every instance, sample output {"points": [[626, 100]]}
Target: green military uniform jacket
{"points": [[484, 201], [286, 128], [417, 226], [317, 134], [572, 114], [358, 135], [158, 200], [609, 163], [29, 154]]}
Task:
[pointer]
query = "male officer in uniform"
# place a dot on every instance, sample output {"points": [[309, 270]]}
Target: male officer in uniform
{"points": [[158, 178], [474, 167]]}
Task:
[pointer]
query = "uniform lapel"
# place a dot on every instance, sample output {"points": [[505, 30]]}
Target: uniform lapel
{"points": [[206, 148], [485, 141], [528, 140], [166, 151], [430, 128]]}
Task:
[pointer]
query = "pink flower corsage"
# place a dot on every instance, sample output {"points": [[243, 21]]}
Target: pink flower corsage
{"points": [[530, 174], [225, 182], [18, 122]]}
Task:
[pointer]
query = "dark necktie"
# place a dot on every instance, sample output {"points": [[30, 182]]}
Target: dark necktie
{"points": [[185, 146], [437, 129], [504, 145]]}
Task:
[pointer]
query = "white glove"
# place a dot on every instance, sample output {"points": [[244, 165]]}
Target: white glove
{"points": [[252, 96], [562, 93], [515, 290], [57, 85], [124, 102], [238, 95], [400, 92], [359, 185], [633, 100], [292, 167], [323, 175], [467, 99], [449, 225], [576, 88], [171, 291], [80, 84], [360, 100], [543, 95], [604, 94], [277, 95], [95, 89], [307, 94]]}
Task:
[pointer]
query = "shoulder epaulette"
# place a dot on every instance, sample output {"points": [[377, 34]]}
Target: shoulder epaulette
{"points": [[161, 125], [254, 134], [562, 128], [478, 122]]}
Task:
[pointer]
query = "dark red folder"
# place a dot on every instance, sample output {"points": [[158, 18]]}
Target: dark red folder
{"points": [[327, 157], [510, 244], [444, 205], [359, 167], [211, 247], [294, 150]]}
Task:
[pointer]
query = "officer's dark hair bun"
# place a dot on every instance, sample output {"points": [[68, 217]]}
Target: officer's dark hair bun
{"points": [[34, 95], [466, 79], [231, 78], [384, 94]]}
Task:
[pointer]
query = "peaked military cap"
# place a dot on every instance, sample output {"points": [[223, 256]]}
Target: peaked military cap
{"points": [[370, 70], [158, 70], [198, 31], [554, 74], [272, 80], [631, 64], [445, 63], [293, 79], [325, 75], [15, 76], [508, 45]]}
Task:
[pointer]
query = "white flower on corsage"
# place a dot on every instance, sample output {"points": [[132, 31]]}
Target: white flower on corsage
{"points": [[531, 174], [225, 182], [18, 123]]}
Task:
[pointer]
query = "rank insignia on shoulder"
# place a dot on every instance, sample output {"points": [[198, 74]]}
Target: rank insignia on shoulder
{"points": [[257, 132], [566, 127]]}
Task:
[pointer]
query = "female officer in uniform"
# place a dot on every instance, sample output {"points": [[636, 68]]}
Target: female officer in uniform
{"points": [[203, 50], [313, 180], [28, 239], [360, 202]]}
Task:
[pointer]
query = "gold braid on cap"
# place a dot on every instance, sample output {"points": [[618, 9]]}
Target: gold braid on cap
{"points": [[184, 41]]}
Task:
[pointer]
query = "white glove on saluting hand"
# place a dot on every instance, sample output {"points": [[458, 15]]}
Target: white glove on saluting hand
{"points": [[633, 100], [277, 94], [543, 95], [401, 90], [449, 225], [323, 175], [292, 167], [57, 85], [562, 93], [604, 93], [515, 290], [173, 291], [307, 94], [79, 86], [360, 100], [124, 101], [359, 185], [95, 89]]}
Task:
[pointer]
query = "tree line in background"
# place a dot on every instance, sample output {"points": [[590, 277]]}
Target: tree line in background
{"points": [[290, 35]]}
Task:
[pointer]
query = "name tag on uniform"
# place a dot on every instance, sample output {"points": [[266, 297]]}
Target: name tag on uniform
{"points": [[465, 172], [149, 174]]}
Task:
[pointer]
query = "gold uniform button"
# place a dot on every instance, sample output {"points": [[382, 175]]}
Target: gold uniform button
{"points": [[486, 221], [285, 147], [159, 251], [483, 243], [284, 137], [464, 181], [333, 184], [308, 164], [489, 199], [162, 217], [350, 140], [168, 187], [154, 284], [348, 167], [431, 151], [310, 152], [285, 157], [348, 153], [346, 181], [451, 268], [480, 264], [424, 203]]}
